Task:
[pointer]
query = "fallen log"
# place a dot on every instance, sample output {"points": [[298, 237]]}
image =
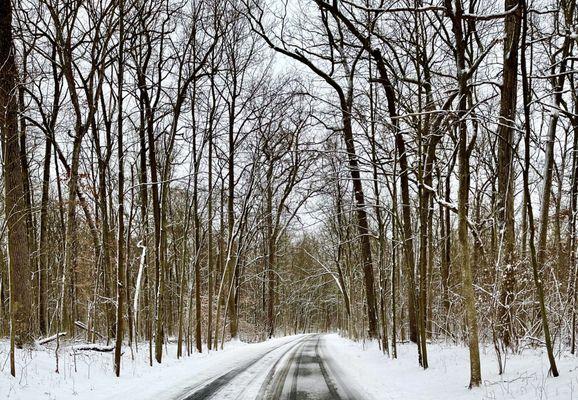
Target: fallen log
{"points": [[93, 347], [50, 338]]}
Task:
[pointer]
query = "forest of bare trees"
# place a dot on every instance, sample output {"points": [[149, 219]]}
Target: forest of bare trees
{"points": [[205, 170]]}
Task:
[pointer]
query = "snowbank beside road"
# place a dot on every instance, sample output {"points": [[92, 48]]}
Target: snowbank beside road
{"points": [[447, 378]]}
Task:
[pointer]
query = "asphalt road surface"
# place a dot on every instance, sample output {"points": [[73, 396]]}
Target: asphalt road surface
{"points": [[298, 370]]}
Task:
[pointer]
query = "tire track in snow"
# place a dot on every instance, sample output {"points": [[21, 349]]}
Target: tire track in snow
{"points": [[270, 369], [293, 394], [207, 389], [328, 380], [272, 387]]}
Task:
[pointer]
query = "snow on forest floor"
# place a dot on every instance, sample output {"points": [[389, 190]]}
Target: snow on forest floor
{"points": [[362, 366], [526, 376], [89, 375]]}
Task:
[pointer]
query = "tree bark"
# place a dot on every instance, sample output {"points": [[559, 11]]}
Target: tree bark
{"points": [[505, 169], [120, 268], [14, 196], [463, 155]]}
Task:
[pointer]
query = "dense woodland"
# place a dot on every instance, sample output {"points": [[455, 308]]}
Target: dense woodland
{"points": [[196, 171]]}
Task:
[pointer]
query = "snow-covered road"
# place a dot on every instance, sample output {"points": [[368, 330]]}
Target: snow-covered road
{"points": [[297, 370]]}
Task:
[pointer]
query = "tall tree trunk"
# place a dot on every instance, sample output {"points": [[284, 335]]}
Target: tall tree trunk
{"points": [[505, 193], [28, 194], [14, 196], [231, 263], [197, 265], [43, 257], [379, 216], [270, 256], [362, 222], [463, 155], [106, 241], [120, 268], [159, 272], [571, 245], [143, 200], [210, 266], [394, 261], [538, 257]]}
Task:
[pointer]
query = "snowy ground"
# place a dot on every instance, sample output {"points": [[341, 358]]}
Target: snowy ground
{"points": [[526, 376], [360, 368]]}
